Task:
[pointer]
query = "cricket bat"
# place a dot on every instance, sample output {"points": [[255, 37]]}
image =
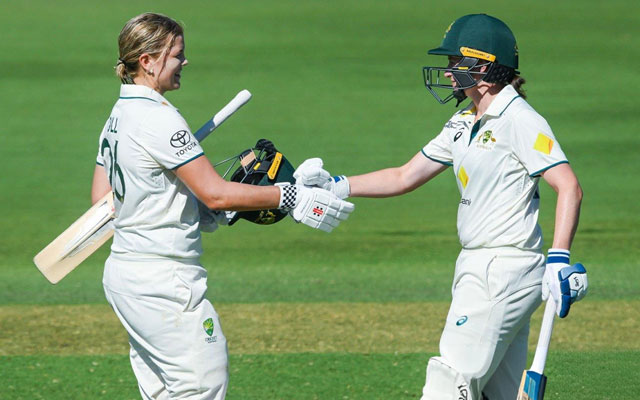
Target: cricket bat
{"points": [[533, 380], [95, 226]]}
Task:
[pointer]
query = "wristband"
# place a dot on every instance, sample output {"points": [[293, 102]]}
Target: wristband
{"points": [[558, 256], [288, 196], [342, 186]]}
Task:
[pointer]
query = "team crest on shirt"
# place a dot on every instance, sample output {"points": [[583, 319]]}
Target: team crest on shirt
{"points": [[486, 141], [208, 328]]}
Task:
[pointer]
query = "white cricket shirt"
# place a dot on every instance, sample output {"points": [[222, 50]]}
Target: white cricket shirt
{"points": [[144, 140], [497, 163]]}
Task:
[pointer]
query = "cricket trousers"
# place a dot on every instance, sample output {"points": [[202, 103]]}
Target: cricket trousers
{"points": [[177, 348], [495, 291]]}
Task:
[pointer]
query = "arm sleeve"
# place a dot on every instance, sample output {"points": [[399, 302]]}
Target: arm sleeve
{"points": [[166, 136], [535, 145], [439, 149]]}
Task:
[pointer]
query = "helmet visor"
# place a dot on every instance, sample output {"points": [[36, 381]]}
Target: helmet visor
{"points": [[465, 73]]}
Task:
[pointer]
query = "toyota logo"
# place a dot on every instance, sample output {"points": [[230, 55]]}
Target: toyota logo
{"points": [[180, 139]]}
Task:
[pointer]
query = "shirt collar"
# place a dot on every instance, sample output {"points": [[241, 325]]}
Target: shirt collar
{"points": [[506, 96], [468, 110], [143, 92]]}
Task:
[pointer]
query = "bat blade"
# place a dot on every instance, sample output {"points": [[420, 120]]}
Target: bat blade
{"points": [[77, 242], [532, 386]]}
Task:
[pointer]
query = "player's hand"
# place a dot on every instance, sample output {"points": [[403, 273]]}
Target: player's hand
{"points": [[565, 283], [315, 207], [311, 173], [211, 219]]}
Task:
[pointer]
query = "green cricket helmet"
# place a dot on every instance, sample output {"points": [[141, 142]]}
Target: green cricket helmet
{"points": [[261, 165], [479, 40]]}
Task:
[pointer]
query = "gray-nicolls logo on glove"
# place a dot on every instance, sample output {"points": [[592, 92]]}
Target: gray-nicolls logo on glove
{"points": [[313, 206]]}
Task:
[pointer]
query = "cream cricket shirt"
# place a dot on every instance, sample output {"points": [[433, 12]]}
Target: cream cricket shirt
{"points": [[144, 140], [497, 163]]}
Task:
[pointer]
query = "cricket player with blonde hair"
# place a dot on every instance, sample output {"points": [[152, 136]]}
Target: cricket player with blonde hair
{"points": [[157, 171], [498, 148]]}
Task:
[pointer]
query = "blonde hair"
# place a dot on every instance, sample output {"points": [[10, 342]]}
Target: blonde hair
{"points": [[149, 33]]}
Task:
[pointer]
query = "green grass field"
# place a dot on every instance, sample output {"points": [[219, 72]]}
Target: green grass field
{"points": [[351, 315]]}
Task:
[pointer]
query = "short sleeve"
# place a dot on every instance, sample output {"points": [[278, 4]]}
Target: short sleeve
{"points": [[534, 143], [99, 158], [439, 149], [167, 138]]}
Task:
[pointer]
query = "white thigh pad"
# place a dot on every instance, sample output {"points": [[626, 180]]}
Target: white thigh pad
{"points": [[444, 382]]}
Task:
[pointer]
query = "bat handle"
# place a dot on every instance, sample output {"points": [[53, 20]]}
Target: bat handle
{"points": [[241, 99], [545, 336]]}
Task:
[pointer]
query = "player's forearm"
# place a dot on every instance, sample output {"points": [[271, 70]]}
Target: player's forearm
{"points": [[232, 196], [218, 194], [395, 181], [383, 183], [100, 185], [567, 215]]}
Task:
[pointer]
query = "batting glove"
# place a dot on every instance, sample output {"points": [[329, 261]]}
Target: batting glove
{"points": [[311, 173], [211, 219], [565, 283], [315, 207]]}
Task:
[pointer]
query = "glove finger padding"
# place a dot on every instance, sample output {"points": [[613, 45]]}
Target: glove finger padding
{"points": [[340, 210], [320, 209], [344, 208], [311, 173], [573, 282]]}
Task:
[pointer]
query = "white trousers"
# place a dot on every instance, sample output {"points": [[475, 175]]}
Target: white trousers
{"points": [[495, 291], [178, 350]]}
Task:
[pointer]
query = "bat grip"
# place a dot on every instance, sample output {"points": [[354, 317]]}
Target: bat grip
{"points": [[544, 339], [241, 99]]}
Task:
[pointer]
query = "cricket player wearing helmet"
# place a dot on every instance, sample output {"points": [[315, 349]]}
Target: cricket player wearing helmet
{"points": [[157, 171], [498, 148]]}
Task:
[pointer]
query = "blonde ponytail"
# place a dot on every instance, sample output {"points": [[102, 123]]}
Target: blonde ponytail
{"points": [[148, 33]]}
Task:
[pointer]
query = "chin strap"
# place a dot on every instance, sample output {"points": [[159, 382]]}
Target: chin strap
{"points": [[459, 95]]}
